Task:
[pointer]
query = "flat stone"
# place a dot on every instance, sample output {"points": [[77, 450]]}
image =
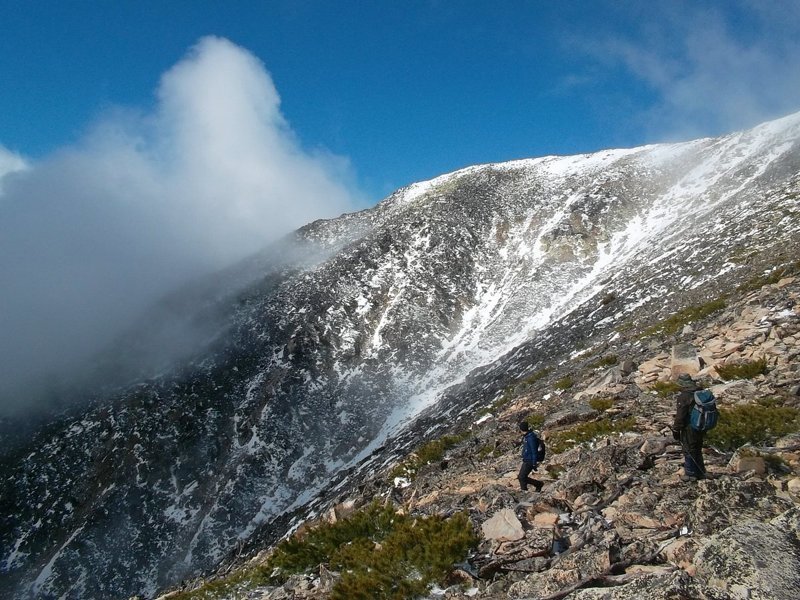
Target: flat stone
{"points": [[684, 360], [546, 519], [504, 526], [742, 464]]}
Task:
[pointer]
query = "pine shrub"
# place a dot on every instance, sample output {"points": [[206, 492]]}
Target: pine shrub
{"points": [[755, 424], [743, 370]]}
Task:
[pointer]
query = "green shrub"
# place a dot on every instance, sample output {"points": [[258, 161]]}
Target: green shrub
{"points": [[537, 376], [665, 388], [606, 361], [752, 424], [564, 440], [379, 553], [427, 453], [601, 404], [683, 317], [564, 383], [756, 283], [744, 370], [535, 421], [487, 450], [415, 554]]}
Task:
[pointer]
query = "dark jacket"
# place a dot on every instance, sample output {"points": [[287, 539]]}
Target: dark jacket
{"points": [[530, 446], [683, 407]]}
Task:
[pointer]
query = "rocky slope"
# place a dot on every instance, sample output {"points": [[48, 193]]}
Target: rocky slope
{"points": [[373, 332], [614, 519]]}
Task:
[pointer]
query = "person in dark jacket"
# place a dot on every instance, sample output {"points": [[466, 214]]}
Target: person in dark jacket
{"points": [[691, 440], [530, 446]]}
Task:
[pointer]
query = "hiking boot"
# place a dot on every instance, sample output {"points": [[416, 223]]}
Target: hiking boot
{"points": [[689, 477], [538, 485]]}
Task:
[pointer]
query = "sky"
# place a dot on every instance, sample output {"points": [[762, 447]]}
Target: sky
{"points": [[145, 143]]}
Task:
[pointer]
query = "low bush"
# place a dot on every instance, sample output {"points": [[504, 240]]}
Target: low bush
{"points": [[536, 376], [601, 404], [606, 361], [665, 388], [772, 277], [744, 370], [535, 421], [427, 453], [555, 470], [560, 441], [608, 298], [752, 424], [683, 317], [564, 383], [380, 554]]}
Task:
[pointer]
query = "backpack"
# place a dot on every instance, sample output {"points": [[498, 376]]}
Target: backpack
{"points": [[704, 415], [541, 450]]}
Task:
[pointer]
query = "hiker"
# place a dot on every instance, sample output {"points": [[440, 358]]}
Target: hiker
{"points": [[691, 440], [530, 453]]}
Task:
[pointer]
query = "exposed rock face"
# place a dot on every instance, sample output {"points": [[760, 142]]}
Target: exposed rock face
{"points": [[411, 317], [754, 560]]}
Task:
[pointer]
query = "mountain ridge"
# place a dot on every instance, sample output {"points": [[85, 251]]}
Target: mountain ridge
{"points": [[442, 279]]}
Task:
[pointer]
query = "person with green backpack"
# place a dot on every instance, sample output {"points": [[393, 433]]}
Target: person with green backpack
{"points": [[695, 414]]}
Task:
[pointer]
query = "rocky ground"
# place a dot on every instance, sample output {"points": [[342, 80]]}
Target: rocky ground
{"points": [[614, 520]]}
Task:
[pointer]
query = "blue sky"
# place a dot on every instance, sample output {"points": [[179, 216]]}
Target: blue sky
{"points": [[408, 90]]}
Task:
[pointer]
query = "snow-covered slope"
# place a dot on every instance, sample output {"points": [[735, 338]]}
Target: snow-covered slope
{"points": [[327, 358]]}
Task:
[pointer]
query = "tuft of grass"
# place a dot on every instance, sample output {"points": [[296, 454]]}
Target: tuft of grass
{"points": [[564, 383], [555, 470], [683, 317], [585, 432], [743, 370], [752, 424], [601, 404], [606, 361], [665, 388], [427, 453]]}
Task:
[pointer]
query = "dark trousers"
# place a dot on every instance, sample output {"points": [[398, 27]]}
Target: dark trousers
{"points": [[524, 480], [692, 443]]}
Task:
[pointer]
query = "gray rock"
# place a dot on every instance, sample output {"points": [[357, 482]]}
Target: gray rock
{"points": [[652, 587], [754, 560]]}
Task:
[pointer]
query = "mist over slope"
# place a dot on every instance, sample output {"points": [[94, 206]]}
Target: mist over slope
{"points": [[325, 360], [145, 202]]}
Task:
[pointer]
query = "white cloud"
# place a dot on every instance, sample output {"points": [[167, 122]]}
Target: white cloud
{"points": [[10, 162], [711, 70], [94, 233]]}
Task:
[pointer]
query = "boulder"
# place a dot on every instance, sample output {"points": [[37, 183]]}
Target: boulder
{"points": [[653, 586], [753, 559], [684, 360], [742, 464], [504, 526]]}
